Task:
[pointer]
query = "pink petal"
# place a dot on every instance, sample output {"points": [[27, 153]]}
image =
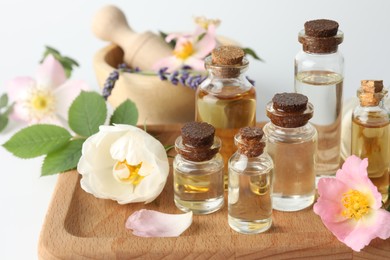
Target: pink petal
{"points": [[366, 230], [150, 223], [66, 93], [50, 73], [332, 189], [20, 112], [195, 63], [206, 45], [17, 88], [177, 36], [171, 62], [354, 174]]}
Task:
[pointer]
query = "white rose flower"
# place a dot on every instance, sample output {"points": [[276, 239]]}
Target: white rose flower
{"points": [[123, 163]]}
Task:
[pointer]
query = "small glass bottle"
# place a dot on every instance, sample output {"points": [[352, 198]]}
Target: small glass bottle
{"points": [[292, 145], [226, 99], [250, 183], [319, 75], [371, 133], [198, 170]]}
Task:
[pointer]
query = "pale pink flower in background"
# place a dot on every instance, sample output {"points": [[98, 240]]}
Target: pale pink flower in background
{"points": [[350, 205], [150, 223], [190, 49], [46, 98]]}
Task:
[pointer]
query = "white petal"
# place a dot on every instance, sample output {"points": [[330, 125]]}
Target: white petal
{"points": [[150, 223], [66, 93]]}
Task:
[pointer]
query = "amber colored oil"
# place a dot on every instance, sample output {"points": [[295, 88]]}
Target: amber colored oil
{"points": [[372, 142], [227, 111]]}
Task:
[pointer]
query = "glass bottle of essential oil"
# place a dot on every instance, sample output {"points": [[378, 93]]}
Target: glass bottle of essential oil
{"points": [[370, 133], [250, 183], [198, 169], [226, 99], [292, 145], [319, 70]]}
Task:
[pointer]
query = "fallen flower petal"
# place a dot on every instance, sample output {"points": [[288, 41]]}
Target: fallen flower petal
{"points": [[349, 205], [150, 223]]}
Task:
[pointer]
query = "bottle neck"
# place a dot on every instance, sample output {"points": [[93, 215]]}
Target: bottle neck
{"points": [[320, 45], [236, 71]]}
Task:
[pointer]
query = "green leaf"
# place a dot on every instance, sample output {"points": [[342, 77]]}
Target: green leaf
{"points": [[64, 159], [125, 113], [3, 100], [171, 43], [252, 53], [9, 109], [200, 37], [66, 62], [3, 121], [37, 140], [87, 112]]}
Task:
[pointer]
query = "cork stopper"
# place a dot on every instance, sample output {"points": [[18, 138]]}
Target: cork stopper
{"points": [[321, 28], [289, 110], [227, 55], [320, 36], [249, 141], [370, 93], [197, 142], [198, 134], [226, 61], [371, 86], [290, 102]]}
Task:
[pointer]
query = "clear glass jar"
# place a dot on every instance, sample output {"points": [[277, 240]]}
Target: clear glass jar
{"points": [[198, 177], [250, 187], [371, 138], [226, 99], [319, 75], [292, 145]]}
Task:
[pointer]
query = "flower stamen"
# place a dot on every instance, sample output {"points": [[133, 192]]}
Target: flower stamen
{"points": [[186, 50], [126, 173], [355, 204], [40, 103]]}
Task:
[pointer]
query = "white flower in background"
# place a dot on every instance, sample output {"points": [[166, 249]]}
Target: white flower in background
{"points": [[150, 223], [123, 163], [46, 98]]}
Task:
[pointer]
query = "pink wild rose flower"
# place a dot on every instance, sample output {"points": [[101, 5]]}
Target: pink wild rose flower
{"points": [[350, 205], [190, 49], [46, 98]]}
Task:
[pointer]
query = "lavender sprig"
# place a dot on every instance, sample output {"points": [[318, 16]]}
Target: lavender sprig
{"points": [[185, 76]]}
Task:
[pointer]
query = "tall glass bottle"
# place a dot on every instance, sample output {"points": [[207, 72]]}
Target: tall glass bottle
{"points": [[292, 145], [371, 133], [250, 183], [319, 74], [226, 99], [198, 170]]}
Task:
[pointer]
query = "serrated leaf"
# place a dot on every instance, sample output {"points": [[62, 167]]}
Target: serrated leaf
{"points": [[87, 112], [125, 113], [3, 121], [37, 140], [252, 53], [3, 100], [64, 159]]}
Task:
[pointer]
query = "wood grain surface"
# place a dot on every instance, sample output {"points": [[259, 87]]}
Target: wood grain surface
{"points": [[80, 226]]}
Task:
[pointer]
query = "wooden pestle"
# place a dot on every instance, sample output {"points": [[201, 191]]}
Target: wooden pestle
{"points": [[141, 50]]}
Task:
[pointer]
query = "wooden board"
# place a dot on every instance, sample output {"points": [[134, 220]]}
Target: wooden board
{"points": [[80, 226]]}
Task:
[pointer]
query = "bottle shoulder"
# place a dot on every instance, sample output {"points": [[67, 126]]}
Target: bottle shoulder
{"points": [[375, 115], [241, 163], [301, 134], [226, 87], [214, 163]]}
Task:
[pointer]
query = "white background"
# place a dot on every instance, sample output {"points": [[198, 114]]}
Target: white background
{"points": [[269, 27]]}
